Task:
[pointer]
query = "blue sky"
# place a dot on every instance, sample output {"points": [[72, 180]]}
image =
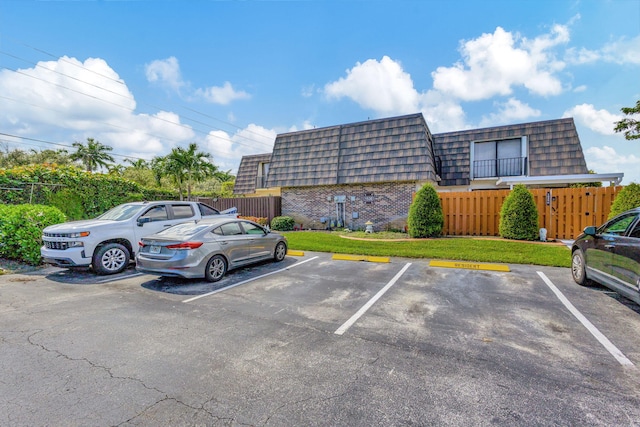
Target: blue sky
{"points": [[146, 76]]}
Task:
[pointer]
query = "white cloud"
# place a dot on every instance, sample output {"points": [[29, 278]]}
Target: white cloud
{"points": [[165, 72], [222, 95], [580, 88], [600, 121], [227, 150], [81, 100], [621, 51], [606, 160], [380, 86], [493, 64], [510, 111]]}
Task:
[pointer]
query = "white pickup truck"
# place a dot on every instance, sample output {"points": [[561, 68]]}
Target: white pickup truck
{"points": [[110, 241]]}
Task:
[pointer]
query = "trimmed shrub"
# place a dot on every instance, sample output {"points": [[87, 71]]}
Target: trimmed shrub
{"points": [[425, 214], [627, 198], [282, 223], [21, 230], [519, 215]]}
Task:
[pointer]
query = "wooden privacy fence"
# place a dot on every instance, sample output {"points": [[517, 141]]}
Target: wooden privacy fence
{"points": [[261, 207], [564, 212]]}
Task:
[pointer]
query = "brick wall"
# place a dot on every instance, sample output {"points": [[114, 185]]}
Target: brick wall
{"points": [[386, 205]]}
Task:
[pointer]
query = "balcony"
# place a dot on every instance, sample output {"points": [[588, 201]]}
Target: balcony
{"points": [[496, 168]]}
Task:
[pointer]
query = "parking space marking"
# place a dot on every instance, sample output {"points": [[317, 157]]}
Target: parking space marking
{"points": [[115, 279], [621, 358], [469, 265], [226, 288], [344, 257], [346, 325]]}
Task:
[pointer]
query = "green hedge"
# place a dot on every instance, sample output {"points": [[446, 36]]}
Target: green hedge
{"points": [[627, 198], [77, 193], [21, 230]]}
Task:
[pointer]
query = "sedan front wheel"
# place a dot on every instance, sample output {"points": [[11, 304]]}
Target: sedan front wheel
{"points": [[579, 268]]}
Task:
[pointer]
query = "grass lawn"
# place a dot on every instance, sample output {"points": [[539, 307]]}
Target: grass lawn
{"points": [[450, 248]]}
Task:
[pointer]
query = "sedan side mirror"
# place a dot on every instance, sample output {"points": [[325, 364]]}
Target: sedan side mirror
{"points": [[590, 231]]}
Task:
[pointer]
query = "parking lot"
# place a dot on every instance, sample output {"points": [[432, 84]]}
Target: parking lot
{"points": [[317, 341]]}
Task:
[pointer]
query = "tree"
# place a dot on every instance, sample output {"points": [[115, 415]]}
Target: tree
{"points": [[425, 214], [630, 125], [519, 215], [187, 166], [92, 155]]}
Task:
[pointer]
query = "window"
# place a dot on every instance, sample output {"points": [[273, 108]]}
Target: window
{"points": [[251, 228], [499, 158], [619, 226], [636, 231], [206, 210], [156, 213], [263, 172], [231, 229], [182, 211]]}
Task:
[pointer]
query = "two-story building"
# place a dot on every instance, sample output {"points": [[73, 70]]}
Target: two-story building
{"points": [[349, 174]]}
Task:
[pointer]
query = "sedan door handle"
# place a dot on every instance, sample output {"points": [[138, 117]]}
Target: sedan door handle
{"points": [[224, 243], [609, 246]]}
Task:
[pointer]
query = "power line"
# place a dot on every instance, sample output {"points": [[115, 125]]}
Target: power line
{"points": [[119, 94]]}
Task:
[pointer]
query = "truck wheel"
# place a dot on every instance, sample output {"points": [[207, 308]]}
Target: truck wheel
{"points": [[111, 258]]}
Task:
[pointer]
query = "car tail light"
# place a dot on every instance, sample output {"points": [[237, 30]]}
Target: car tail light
{"points": [[141, 244], [185, 245]]}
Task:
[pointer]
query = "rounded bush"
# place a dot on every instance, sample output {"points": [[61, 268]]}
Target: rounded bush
{"points": [[425, 214], [282, 223], [627, 198], [21, 230], [519, 215]]}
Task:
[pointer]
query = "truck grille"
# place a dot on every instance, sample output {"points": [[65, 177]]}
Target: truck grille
{"points": [[61, 246]]}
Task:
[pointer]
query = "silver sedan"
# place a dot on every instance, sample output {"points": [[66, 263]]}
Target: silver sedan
{"points": [[208, 248]]}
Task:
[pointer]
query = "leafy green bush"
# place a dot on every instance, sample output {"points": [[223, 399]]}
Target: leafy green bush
{"points": [[96, 192], [69, 202], [282, 223], [425, 214], [21, 230], [519, 215], [627, 198]]}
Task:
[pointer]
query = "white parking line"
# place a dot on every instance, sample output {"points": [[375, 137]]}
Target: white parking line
{"points": [[115, 279], [587, 324], [249, 280], [346, 325]]}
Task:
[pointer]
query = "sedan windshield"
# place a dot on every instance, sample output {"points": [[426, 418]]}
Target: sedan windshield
{"points": [[121, 212]]}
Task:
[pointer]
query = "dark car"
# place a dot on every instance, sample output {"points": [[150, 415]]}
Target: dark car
{"points": [[208, 248], [610, 255]]}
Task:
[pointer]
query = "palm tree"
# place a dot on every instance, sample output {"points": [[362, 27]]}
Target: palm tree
{"points": [[188, 166], [138, 164], [92, 155]]}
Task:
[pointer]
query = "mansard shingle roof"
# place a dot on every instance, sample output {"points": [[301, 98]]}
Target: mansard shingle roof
{"points": [[248, 172], [382, 150], [554, 149]]}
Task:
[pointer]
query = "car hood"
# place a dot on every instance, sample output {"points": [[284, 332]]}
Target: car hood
{"points": [[79, 225]]}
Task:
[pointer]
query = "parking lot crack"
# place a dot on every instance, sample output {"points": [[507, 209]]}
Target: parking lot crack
{"points": [[31, 340]]}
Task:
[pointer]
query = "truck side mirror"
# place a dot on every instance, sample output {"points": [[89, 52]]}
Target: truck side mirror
{"points": [[143, 220]]}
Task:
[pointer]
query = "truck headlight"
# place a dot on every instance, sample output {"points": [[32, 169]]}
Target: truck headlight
{"points": [[79, 234]]}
